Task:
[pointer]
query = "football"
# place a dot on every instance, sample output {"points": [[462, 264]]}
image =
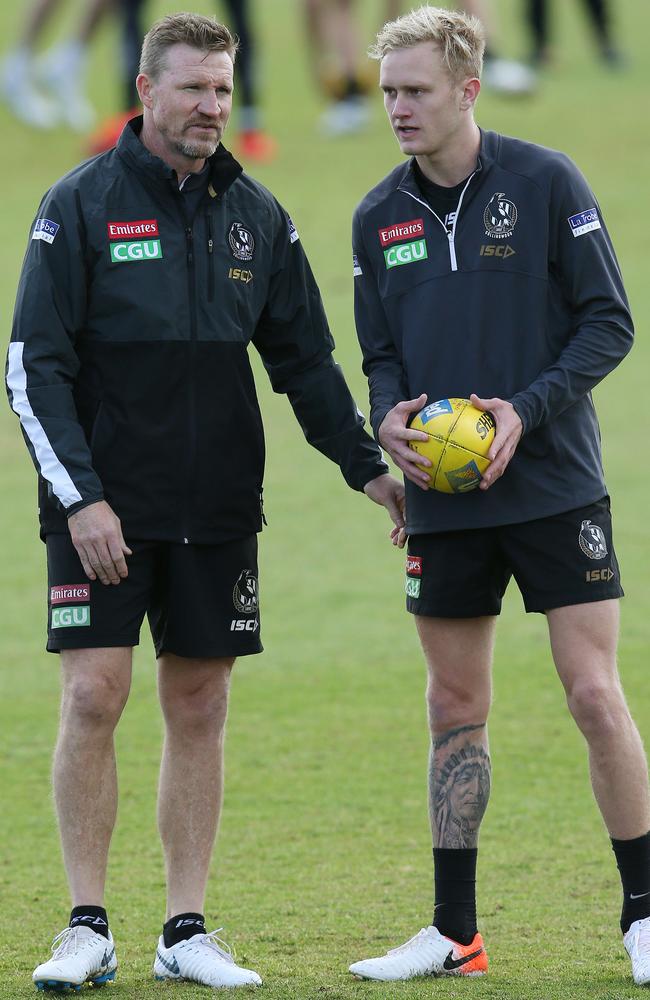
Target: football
{"points": [[459, 438]]}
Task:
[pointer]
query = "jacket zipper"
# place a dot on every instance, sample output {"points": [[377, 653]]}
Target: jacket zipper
{"points": [[451, 236], [191, 399], [210, 260]]}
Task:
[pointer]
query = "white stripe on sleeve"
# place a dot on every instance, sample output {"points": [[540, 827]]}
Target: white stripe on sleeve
{"points": [[50, 466]]}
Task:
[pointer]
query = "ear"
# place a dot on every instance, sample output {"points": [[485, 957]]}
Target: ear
{"points": [[144, 86], [471, 88]]}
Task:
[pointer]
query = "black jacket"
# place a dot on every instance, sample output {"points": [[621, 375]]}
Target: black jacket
{"points": [[128, 363], [523, 300]]}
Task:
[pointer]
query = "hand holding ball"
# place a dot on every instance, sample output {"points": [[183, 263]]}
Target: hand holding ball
{"points": [[459, 438]]}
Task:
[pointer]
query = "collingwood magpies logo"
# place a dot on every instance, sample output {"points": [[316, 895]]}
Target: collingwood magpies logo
{"points": [[244, 595], [241, 242], [500, 216], [592, 540]]}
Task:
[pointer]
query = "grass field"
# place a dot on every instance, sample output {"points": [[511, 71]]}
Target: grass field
{"points": [[324, 851]]}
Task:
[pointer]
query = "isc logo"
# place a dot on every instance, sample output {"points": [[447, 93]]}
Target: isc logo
{"points": [[494, 250], [240, 274], [244, 625], [596, 575]]}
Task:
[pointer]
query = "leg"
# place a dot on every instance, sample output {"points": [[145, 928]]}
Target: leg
{"points": [[458, 653], [583, 641], [194, 699], [95, 688]]}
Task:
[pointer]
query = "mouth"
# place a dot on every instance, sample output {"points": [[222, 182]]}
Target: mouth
{"points": [[405, 131]]}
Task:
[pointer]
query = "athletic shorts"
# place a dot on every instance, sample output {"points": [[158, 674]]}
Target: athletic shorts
{"points": [[557, 561], [201, 600]]}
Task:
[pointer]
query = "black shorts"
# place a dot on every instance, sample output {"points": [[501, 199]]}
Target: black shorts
{"points": [[557, 561], [201, 600]]}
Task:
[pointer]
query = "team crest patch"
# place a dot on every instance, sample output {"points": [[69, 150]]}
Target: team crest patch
{"points": [[45, 229], [244, 595], [592, 540], [242, 242], [500, 216], [584, 222]]}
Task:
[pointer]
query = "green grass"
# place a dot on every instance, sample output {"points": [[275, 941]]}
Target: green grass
{"points": [[324, 853]]}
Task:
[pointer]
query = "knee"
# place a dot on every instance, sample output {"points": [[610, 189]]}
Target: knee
{"points": [[598, 707], [198, 704], [451, 704], [94, 700]]}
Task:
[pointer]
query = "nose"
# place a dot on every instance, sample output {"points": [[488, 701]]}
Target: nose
{"points": [[210, 104], [400, 108]]}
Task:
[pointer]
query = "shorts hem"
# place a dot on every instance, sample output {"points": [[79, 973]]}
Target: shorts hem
{"points": [[210, 654], [453, 612], [90, 642], [573, 601]]}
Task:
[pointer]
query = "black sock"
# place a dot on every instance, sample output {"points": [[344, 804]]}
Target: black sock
{"points": [[633, 860], [455, 881], [90, 916], [183, 926]]}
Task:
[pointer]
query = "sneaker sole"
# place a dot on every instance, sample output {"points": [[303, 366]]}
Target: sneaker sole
{"points": [[59, 985]]}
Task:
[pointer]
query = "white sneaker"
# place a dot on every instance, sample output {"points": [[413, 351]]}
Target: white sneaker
{"points": [[201, 960], [505, 76], [637, 945], [61, 71], [429, 953], [20, 93], [345, 117], [79, 955]]}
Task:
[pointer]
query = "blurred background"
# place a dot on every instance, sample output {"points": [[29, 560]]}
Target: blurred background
{"points": [[324, 847]]}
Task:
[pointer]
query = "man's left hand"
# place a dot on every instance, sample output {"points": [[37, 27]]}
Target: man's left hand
{"points": [[508, 433], [388, 492]]}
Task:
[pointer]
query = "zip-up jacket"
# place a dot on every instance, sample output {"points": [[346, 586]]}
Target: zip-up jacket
{"points": [[522, 299], [128, 362]]}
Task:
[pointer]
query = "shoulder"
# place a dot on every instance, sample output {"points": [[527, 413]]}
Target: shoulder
{"points": [[87, 184], [541, 164], [381, 192]]}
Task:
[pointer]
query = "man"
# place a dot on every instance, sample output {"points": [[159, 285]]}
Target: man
{"points": [[151, 269], [483, 269]]}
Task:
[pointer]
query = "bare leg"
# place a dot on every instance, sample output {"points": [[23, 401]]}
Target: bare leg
{"points": [[194, 699], [583, 640], [92, 17], [459, 661], [37, 18], [95, 688]]}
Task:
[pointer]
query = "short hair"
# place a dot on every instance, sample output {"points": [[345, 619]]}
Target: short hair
{"points": [[204, 33], [459, 37]]}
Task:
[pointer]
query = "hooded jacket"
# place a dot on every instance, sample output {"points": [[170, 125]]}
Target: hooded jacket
{"points": [[128, 363], [522, 299]]}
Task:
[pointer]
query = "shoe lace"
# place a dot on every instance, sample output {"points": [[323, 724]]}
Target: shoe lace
{"points": [[213, 941], [407, 944], [65, 942]]}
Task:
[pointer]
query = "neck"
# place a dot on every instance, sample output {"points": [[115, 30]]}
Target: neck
{"points": [[152, 140], [451, 165]]}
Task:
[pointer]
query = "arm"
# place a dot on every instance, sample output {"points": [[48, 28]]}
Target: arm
{"points": [[42, 365], [588, 274], [590, 279], [296, 346]]}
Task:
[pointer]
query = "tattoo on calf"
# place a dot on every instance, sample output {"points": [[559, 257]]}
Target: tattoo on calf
{"points": [[459, 786]]}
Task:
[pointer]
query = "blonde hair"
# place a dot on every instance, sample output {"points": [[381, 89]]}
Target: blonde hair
{"points": [[204, 33], [459, 37]]}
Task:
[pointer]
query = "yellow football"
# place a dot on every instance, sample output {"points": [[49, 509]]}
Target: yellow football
{"points": [[459, 438]]}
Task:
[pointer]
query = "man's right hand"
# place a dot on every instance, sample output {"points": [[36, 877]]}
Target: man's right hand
{"points": [[394, 437], [97, 536]]}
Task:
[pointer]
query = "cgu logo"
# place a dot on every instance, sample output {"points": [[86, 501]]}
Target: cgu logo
{"points": [[71, 617], [406, 253], [127, 253]]}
